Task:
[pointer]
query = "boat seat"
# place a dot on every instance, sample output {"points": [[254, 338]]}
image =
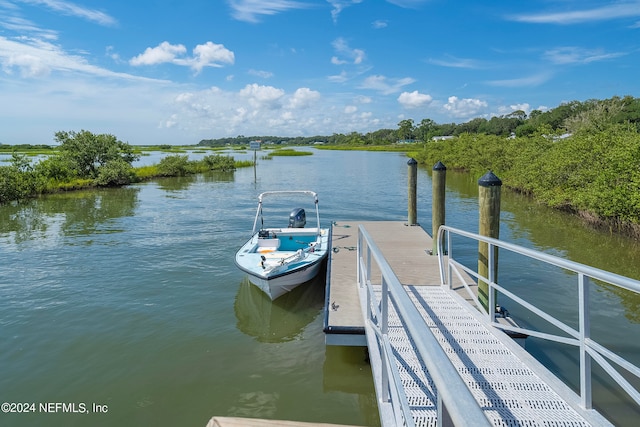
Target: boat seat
{"points": [[268, 245]]}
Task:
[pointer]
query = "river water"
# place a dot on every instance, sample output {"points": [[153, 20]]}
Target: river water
{"points": [[124, 307]]}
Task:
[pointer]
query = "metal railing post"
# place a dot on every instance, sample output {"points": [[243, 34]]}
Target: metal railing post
{"points": [[585, 328], [368, 261], [384, 330], [490, 289], [449, 249], [359, 259]]}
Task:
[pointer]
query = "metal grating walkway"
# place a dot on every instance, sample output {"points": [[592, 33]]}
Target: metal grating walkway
{"points": [[507, 390]]}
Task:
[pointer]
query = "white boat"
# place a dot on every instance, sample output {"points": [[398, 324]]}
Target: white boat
{"points": [[279, 259]]}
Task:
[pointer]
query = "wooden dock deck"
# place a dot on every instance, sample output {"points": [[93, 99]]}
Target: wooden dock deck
{"points": [[405, 248]]}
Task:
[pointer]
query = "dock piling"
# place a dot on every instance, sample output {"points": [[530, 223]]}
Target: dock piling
{"points": [[489, 225], [412, 192], [438, 179]]}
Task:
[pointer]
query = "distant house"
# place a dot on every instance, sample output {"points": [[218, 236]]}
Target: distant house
{"points": [[563, 136], [406, 141], [442, 138], [558, 137]]}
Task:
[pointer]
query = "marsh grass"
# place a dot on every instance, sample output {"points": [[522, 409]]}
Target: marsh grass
{"points": [[243, 163], [290, 152], [146, 172]]}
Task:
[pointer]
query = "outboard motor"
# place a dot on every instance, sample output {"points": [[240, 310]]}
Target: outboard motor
{"points": [[297, 218]]}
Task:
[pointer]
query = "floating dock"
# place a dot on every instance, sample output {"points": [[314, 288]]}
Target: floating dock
{"points": [[405, 247]]}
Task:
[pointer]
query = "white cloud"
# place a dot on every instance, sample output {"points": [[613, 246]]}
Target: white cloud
{"points": [[257, 109], [533, 80], [618, 10], [34, 59], [25, 26], [408, 4], [211, 55], [204, 55], [339, 78], [303, 98], [164, 52], [453, 62], [37, 58], [339, 6], [577, 55], [72, 9], [414, 99], [260, 73], [356, 56], [262, 96], [463, 108], [337, 61], [364, 99], [378, 24], [250, 10], [384, 85]]}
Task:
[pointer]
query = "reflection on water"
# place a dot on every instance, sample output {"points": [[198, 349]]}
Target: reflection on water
{"points": [[78, 213], [283, 319], [174, 185]]}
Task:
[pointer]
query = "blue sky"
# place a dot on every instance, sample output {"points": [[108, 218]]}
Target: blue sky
{"points": [[176, 72]]}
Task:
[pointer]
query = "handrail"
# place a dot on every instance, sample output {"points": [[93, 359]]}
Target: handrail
{"points": [[452, 391], [589, 349], [261, 196]]}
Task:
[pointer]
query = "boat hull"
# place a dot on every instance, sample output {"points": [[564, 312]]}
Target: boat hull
{"points": [[279, 265], [275, 287]]}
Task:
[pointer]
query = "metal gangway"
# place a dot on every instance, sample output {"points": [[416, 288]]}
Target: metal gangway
{"points": [[438, 360]]}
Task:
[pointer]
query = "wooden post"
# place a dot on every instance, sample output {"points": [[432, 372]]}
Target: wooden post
{"points": [[489, 203], [412, 189], [255, 162], [438, 180]]}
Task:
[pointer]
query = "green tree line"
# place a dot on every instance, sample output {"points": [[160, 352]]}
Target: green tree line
{"points": [[562, 119], [84, 159], [594, 173]]}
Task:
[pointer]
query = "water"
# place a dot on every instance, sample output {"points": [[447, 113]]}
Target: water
{"points": [[129, 298]]}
